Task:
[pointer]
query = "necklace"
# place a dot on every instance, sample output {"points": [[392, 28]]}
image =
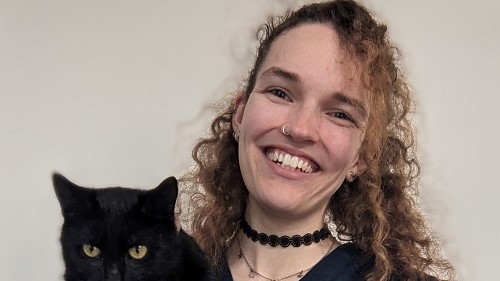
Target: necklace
{"points": [[253, 272], [285, 240]]}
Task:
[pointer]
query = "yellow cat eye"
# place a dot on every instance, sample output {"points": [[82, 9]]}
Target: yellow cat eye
{"points": [[138, 252], [91, 251]]}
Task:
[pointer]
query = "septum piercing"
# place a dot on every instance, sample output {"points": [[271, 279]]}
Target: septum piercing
{"points": [[283, 130]]}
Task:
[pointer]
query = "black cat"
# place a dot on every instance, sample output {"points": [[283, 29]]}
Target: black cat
{"points": [[123, 234]]}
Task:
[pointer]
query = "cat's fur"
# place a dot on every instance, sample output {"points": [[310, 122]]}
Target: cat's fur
{"points": [[118, 219]]}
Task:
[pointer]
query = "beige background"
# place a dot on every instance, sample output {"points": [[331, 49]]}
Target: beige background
{"points": [[109, 93]]}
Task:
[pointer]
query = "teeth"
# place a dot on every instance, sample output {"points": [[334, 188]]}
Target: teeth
{"points": [[294, 162], [286, 160]]}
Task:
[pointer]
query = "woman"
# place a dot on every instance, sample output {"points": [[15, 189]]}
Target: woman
{"points": [[320, 137]]}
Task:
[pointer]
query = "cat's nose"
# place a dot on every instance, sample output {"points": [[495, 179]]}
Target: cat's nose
{"points": [[113, 274]]}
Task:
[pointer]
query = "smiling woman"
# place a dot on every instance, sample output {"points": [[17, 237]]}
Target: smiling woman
{"points": [[297, 88], [320, 137]]}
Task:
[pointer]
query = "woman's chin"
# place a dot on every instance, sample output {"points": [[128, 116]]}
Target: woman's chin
{"points": [[283, 204]]}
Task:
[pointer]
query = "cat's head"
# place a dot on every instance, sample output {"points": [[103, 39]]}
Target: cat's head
{"points": [[119, 233]]}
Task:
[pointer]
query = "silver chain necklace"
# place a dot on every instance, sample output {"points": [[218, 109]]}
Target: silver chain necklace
{"points": [[253, 272]]}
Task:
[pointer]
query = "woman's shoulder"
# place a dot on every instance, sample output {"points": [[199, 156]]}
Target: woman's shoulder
{"points": [[358, 265], [349, 263], [346, 263], [221, 272]]}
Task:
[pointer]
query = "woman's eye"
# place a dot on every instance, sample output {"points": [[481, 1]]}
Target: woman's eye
{"points": [[343, 115], [279, 93]]}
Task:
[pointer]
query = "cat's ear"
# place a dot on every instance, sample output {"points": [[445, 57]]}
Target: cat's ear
{"points": [[168, 190], [160, 201], [72, 198]]}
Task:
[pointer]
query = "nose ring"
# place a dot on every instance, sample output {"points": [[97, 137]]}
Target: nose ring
{"points": [[283, 130]]}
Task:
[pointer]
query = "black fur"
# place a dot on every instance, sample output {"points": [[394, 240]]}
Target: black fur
{"points": [[117, 219]]}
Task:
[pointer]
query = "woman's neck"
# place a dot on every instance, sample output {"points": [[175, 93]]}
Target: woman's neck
{"points": [[280, 223], [277, 262]]}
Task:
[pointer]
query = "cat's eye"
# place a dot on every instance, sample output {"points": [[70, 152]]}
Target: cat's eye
{"points": [[138, 252], [91, 251]]}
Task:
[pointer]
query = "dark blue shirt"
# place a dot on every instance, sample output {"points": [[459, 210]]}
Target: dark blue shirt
{"points": [[345, 263]]}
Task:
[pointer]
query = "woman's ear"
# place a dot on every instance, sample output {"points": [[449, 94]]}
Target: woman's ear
{"points": [[358, 168], [239, 107]]}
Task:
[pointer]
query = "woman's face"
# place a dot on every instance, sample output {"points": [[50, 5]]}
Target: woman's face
{"points": [[307, 83]]}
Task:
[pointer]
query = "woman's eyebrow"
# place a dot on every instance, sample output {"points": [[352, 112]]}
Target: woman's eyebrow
{"points": [[343, 98], [281, 73]]}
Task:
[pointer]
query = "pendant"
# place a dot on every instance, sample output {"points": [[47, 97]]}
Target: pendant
{"points": [[300, 274], [251, 274]]}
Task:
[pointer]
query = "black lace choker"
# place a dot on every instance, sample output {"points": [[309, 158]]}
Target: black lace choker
{"points": [[285, 240]]}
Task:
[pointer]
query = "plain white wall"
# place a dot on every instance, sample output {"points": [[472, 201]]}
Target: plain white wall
{"points": [[110, 93]]}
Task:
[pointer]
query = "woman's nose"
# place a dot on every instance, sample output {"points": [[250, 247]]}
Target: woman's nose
{"points": [[302, 125]]}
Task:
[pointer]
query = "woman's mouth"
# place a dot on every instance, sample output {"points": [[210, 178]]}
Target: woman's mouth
{"points": [[290, 161]]}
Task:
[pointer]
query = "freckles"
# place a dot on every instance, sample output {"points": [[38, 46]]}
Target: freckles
{"points": [[258, 112], [251, 119], [249, 116], [341, 145]]}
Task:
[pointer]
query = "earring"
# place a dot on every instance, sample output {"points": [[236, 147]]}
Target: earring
{"points": [[283, 130], [236, 136], [352, 175]]}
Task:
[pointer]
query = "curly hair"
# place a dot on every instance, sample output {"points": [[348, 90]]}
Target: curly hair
{"points": [[378, 211]]}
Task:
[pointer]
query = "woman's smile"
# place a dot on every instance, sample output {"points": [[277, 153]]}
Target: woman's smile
{"points": [[291, 162]]}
